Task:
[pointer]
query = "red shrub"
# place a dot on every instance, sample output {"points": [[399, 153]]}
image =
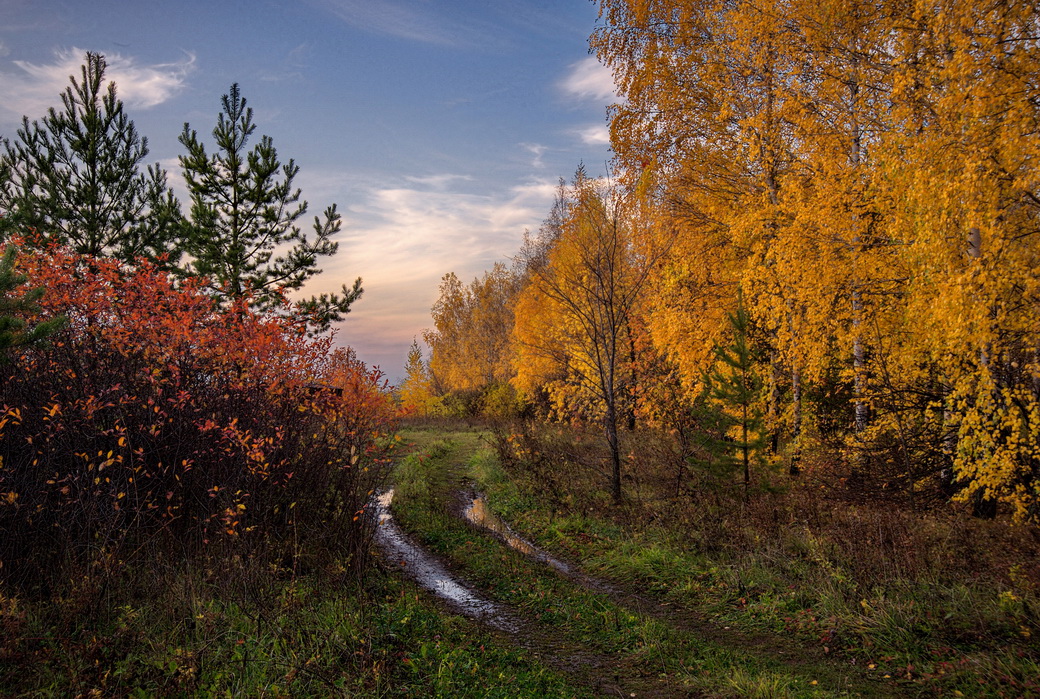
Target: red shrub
{"points": [[155, 412]]}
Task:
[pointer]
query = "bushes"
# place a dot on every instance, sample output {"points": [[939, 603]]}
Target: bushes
{"points": [[155, 416]]}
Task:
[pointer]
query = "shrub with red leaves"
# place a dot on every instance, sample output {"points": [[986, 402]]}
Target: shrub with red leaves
{"points": [[155, 413]]}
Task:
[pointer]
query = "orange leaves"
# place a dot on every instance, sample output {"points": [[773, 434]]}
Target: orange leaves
{"points": [[866, 173], [470, 343], [12, 416]]}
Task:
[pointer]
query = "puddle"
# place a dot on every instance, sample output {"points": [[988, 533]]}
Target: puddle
{"points": [[477, 513], [430, 573]]}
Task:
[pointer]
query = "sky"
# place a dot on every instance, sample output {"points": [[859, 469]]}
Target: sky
{"points": [[440, 128]]}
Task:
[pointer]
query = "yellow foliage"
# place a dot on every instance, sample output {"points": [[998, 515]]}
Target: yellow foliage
{"points": [[867, 171]]}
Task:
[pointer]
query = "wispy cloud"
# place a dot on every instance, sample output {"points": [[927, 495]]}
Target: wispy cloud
{"points": [[292, 65], [588, 79], [594, 135], [537, 150], [438, 182], [415, 20], [402, 237], [36, 86]]}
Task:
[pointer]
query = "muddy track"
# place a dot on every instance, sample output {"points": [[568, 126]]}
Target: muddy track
{"points": [[603, 674], [473, 508]]}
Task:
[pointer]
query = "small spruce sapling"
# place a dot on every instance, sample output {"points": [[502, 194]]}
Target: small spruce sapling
{"points": [[14, 306], [736, 430]]}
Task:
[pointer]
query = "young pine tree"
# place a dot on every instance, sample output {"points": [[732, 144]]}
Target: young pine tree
{"points": [[734, 387], [14, 331], [244, 208], [75, 177]]}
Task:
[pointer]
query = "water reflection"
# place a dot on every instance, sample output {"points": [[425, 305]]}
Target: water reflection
{"points": [[477, 512], [429, 572]]}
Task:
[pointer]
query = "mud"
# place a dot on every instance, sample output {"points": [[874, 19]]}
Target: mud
{"points": [[477, 512], [474, 509], [431, 574], [605, 675]]}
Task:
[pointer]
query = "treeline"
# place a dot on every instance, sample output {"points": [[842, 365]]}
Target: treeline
{"points": [[832, 209], [161, 398]]}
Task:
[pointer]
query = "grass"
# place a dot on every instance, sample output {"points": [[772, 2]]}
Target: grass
{"points": [[575, 617], [937, 603], [935, 600], [301, 638], [228, 626]]}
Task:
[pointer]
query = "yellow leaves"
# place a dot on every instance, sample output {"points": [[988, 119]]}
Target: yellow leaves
{"points": [[12, 416], [860, 196], [469, 347]]}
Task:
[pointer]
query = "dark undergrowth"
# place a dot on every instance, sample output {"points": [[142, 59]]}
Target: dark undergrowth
{"points": [[250, 628]]}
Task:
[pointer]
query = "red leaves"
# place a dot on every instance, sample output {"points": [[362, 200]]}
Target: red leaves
{"points": [[157, 409]]}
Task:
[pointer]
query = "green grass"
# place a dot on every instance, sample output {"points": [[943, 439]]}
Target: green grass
{"points": [[579, 617], [230, 628], [302, 640], [234, 628], [932, 611]]}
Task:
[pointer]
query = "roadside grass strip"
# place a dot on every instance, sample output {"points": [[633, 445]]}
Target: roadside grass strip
{"points": [[924, 634]]}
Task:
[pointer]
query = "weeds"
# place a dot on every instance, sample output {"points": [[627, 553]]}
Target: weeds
{"points": [[571, 615]]}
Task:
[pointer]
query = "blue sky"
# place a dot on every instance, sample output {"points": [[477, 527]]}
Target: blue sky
{"points": [[439, 128]]}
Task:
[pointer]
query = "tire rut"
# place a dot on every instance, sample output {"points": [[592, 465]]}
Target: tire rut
{"points": [[602, 674], [472, 507]]}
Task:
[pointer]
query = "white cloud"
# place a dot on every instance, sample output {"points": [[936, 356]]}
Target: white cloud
{"points": [[537, 150], [594, 135], [35, 87], [438, 182], [589, 79], [3, 49]]}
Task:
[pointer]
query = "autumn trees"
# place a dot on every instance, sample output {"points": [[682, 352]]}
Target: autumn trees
{"points": [[470, 363], [575, 314], [860, 170], [864, 173], [170, 409], [154, 417]]}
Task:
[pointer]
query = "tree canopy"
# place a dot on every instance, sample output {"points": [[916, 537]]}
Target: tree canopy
{"points": [[75, 178]]}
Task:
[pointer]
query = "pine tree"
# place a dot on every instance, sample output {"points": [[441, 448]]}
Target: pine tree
{"points": [[75, 177], [244, 208], [735, 386], [13, 306]]}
